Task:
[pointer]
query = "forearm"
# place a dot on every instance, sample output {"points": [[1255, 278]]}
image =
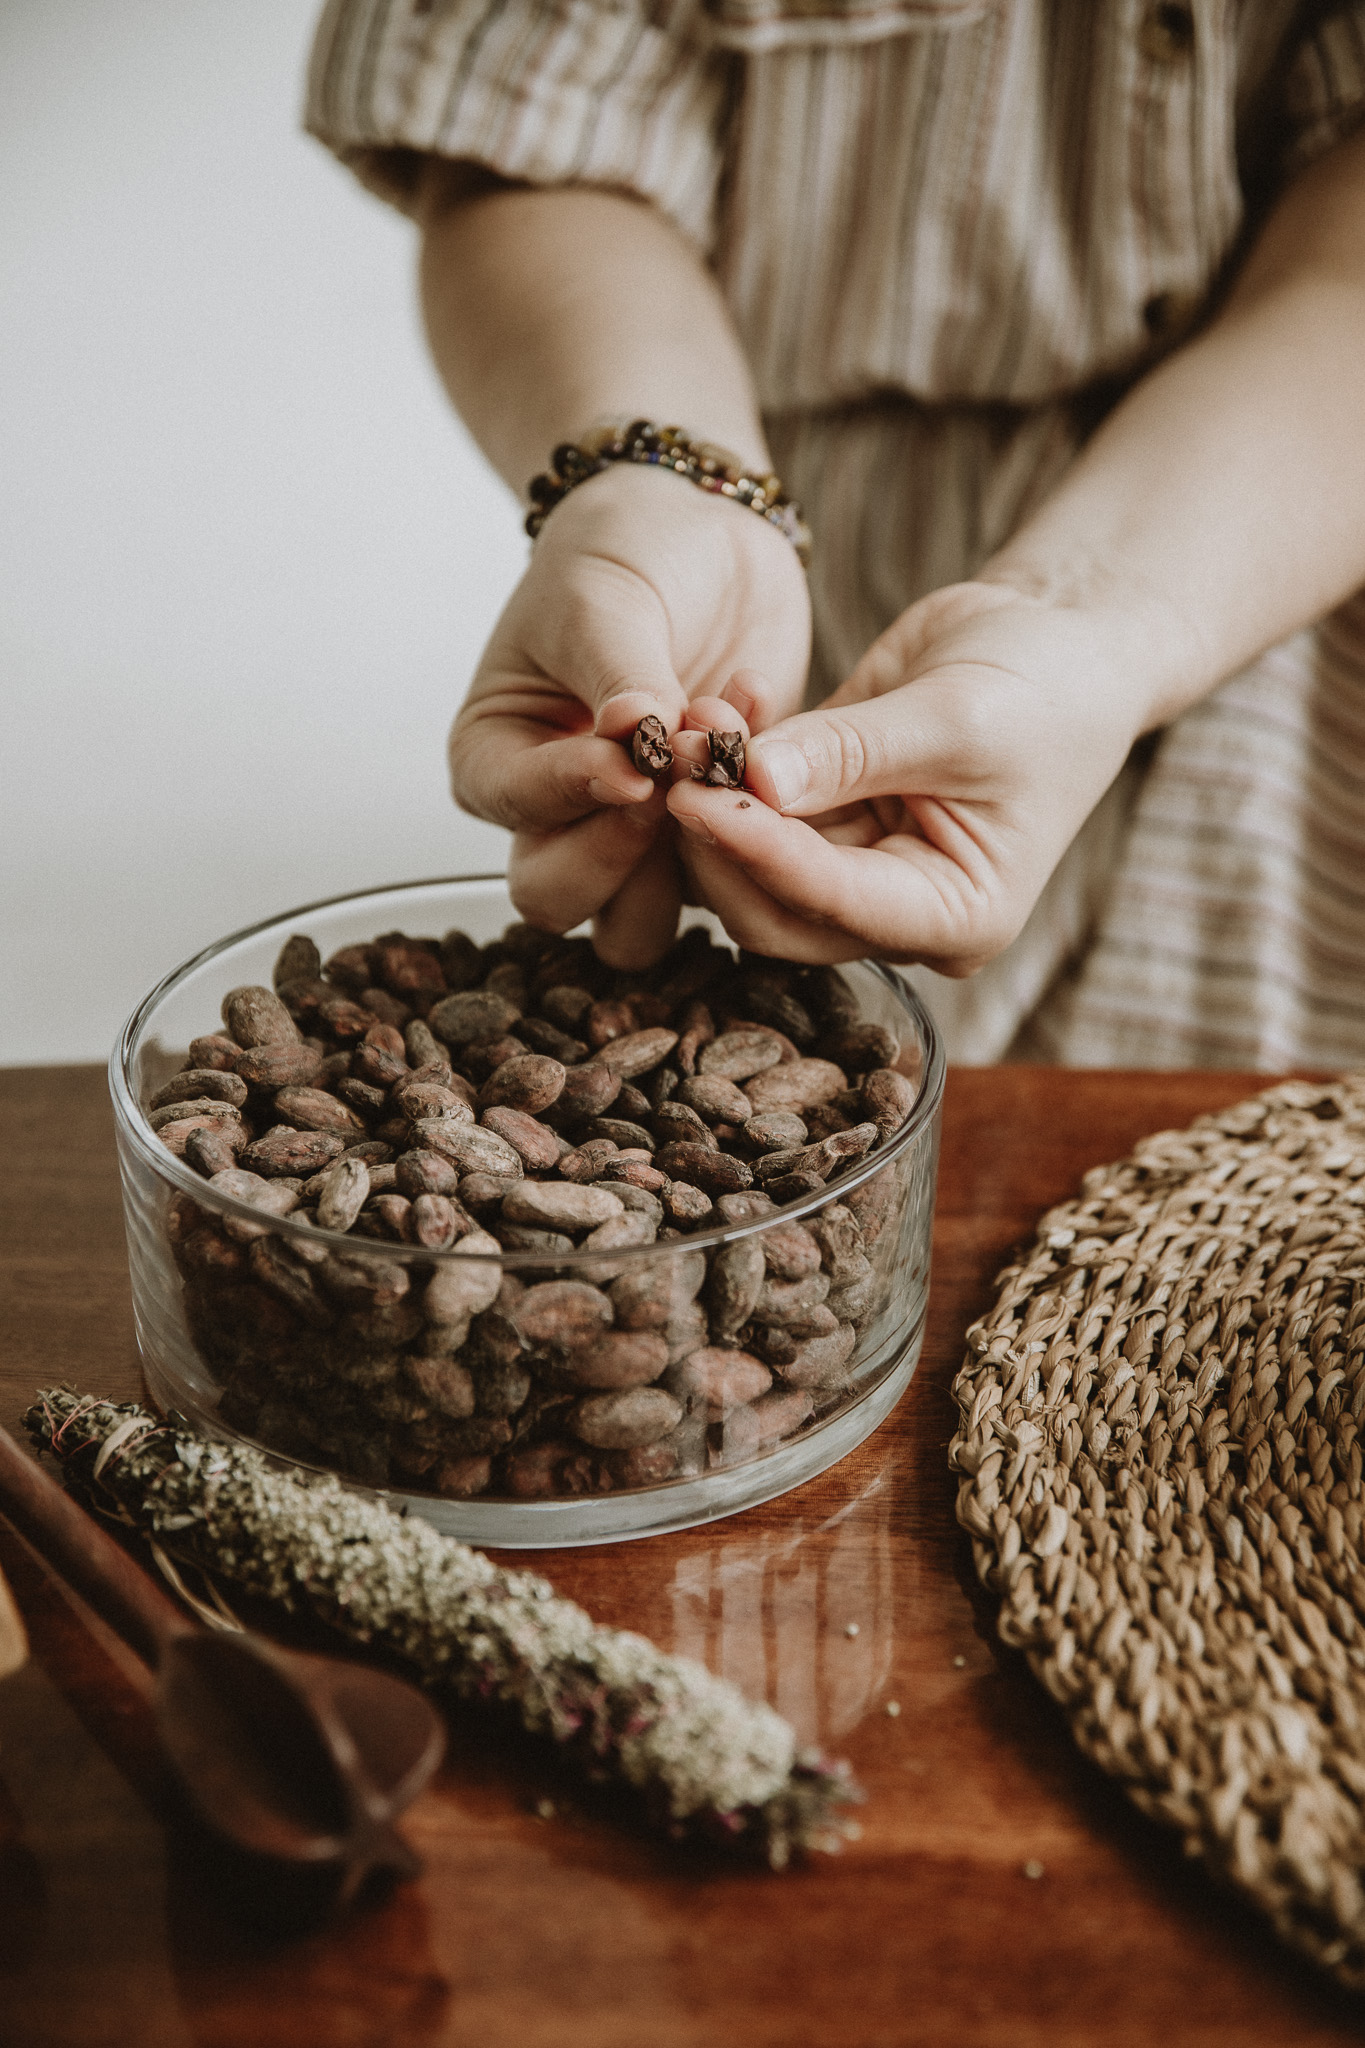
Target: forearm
{"points": [[1222, 504], [551, 310]]}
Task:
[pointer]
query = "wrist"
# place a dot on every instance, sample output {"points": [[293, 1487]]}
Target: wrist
{"points": [[642, 444]]}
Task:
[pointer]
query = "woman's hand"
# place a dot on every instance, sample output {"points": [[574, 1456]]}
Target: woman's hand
{"points": [[643, 594], [917, 815]]}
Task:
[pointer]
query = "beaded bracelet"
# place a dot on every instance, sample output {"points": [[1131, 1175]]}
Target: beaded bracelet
{"points": [[711, 469]]}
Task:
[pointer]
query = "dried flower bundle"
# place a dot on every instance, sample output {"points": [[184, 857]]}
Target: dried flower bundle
{"points": [[708, 1761]]}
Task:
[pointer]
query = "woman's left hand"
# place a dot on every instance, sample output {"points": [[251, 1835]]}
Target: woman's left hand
{"points": [[918, 813]]}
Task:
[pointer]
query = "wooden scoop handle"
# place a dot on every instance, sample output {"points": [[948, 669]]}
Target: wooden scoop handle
{"points": [[85, 1555]]}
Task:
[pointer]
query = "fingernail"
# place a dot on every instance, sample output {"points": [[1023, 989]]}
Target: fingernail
{"points": [[786, 769], [696, 830]]}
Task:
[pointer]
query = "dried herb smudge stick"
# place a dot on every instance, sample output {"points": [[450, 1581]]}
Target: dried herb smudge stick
{"points": [[708, 1761]]}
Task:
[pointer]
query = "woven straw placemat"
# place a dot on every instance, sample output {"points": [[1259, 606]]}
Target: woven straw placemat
{"points": [[1161, 1475]]}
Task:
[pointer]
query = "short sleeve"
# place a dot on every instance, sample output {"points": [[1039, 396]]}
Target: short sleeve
{"points": [[627, 93], [1325, 84]]}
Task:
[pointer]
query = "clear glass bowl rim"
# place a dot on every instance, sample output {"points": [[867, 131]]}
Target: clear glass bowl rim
{"points": [[133, 1123]]}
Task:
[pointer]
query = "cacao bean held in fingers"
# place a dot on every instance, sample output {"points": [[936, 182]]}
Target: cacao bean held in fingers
{"points": [[649, 749]]}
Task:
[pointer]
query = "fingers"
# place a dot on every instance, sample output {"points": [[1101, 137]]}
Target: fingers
{"points": [[615, 652], [822, 759], [757, 699], [511, 771], [556, 879], [636, 927], [931, 898], [704, 715]]}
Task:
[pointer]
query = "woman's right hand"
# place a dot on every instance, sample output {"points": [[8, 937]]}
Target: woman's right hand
{"points": [[643, 595]]}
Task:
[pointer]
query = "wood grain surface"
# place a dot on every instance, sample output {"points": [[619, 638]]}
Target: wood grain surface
{"points": [[542, 1919]]}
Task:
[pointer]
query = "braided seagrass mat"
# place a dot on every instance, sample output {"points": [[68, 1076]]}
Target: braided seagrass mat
{"points": [[1159, 1443]]}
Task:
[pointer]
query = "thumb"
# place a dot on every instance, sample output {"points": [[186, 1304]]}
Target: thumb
{"points": [[843, 754], [620, 665]]}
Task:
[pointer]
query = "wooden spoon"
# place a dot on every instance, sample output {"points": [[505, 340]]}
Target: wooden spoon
{"points": [[13, 1641], [301, 1759]]}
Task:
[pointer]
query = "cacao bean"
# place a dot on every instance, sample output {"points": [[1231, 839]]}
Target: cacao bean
{"points": [[554, 1205], [624, 1419], [685, 1204], [565, 1313], [717, 1172], [256, 1016], [471, 1015], [537, 1147], [214, 1050], [621, 1358], [285, 1150], [280, 1066], [733, 1286], [821, 1361], [798, 1086], [344, 1192], [717, 1379], [470, 1146], [636, 1052], [529, 1083], [200, 1084], [741, 1056], [209, 1148]]}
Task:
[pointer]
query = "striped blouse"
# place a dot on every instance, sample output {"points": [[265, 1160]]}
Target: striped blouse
{"points": [[950, 233]]}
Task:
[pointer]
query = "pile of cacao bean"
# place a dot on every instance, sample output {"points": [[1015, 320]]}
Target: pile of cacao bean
{"points": [[522, 1098]]}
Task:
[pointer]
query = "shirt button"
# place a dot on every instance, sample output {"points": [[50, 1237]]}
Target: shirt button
{"points": [[1167, 32]]}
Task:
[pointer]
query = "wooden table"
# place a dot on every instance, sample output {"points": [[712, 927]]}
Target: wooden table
{"points": [[570, 1931]]}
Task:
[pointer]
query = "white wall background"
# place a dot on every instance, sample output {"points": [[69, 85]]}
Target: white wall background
{"points": [[247, 555]]}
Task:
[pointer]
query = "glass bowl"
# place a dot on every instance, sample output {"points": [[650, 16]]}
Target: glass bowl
{"points": [[537, 1392]]}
